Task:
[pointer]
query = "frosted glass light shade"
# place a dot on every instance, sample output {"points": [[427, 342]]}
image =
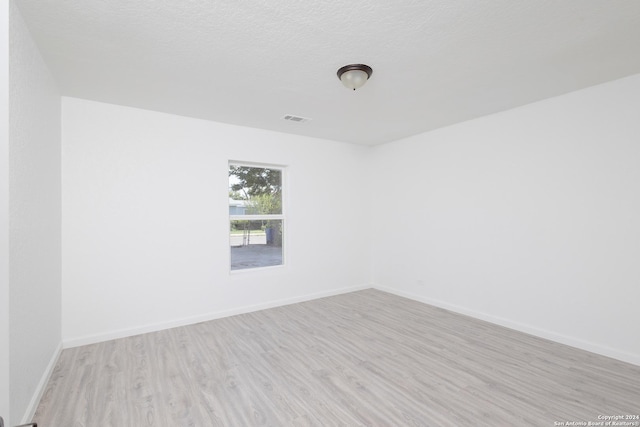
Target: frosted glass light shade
{"points": [[354, 76], [354, 79]]}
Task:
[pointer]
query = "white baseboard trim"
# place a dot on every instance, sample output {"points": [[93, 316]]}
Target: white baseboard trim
{"points": [[559, 338], [42, 385], [123, 333]]}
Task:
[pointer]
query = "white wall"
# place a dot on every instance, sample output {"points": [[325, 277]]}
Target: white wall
{"points": [[4, 210], [529, 218], [34, 220], [145, 220]]}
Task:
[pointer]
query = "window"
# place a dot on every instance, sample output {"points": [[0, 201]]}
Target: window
{"points": [[256, 215]]}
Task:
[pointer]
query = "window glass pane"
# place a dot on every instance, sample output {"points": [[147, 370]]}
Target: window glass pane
{"points": [[255, 243], [255, 191]]}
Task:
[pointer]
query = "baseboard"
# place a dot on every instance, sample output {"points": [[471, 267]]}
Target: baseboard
{"points": [[42, 385], [123, 333], [552, 336]]}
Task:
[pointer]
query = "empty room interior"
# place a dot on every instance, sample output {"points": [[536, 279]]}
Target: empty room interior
{"points": [[335, 213]]}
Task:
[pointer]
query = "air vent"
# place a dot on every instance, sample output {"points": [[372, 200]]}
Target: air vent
{"points": [[296, 118]]}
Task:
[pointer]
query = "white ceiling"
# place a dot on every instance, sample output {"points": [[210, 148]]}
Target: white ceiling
{"points": [[250, 62]]}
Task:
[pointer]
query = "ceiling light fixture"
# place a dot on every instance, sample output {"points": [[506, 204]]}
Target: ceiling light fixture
{"points": [[354, 76]]}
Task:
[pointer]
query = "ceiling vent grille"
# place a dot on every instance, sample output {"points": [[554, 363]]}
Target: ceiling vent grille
{"points": [[293, 118]]}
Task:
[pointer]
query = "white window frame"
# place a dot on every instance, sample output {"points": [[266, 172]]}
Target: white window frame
{"points": [[266, 217]]}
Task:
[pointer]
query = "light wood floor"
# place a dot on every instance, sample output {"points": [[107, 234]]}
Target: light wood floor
{"points": [[365, 358]]}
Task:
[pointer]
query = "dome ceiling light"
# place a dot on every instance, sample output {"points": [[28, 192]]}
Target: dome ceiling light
{"points": [[354, 76]]}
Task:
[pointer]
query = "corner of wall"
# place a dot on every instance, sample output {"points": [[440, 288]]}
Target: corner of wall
{"points": [[42, 386], [34, 184], [4, 210]]}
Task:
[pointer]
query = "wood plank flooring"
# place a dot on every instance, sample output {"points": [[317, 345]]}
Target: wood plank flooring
{"points": [[366, 358]]}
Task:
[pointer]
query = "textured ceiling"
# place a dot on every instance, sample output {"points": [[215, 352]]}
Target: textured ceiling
{"points": [[250, 62]]}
